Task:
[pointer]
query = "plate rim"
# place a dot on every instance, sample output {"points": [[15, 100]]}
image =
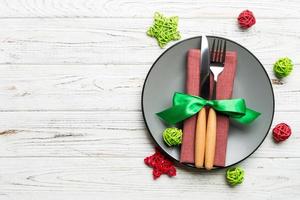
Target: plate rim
{"points": [[190, 166]]}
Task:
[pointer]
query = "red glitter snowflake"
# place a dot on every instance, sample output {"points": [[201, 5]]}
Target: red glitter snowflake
{"points": [[160, 165]]}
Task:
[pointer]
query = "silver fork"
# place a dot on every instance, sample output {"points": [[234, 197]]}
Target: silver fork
{"points": [[217, 60], [217, 57]]}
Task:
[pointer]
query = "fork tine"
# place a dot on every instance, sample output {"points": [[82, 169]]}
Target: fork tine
{"points": [[220, 50], [224, 52], [216, 51], [212, 51]]}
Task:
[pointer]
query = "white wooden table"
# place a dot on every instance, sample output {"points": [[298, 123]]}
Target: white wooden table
{"points": [[71, 75]]}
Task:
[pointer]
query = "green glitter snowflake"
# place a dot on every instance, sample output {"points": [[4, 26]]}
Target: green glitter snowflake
{"points": [[164, 29]]}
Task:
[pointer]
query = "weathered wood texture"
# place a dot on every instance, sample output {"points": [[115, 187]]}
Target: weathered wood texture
{"points": [[217, 9], [123, 40], [95, 87], [71, 76]]}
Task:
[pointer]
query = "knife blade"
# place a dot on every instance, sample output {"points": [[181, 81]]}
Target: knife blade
{"points": [[204, 68], [200, 136]]}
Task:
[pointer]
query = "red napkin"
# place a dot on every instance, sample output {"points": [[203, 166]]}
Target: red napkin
{"points": [[192, 88], [224, 90]]}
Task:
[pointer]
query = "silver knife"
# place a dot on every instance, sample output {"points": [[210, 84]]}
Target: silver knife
{"points": [[200, 137], [204, 68]]}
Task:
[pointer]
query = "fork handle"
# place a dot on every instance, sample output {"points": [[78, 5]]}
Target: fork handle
{"points": [[200, 138], [210, 139]]}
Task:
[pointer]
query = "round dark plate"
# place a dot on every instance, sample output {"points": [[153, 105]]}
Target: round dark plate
{"points": [[167, 75]]}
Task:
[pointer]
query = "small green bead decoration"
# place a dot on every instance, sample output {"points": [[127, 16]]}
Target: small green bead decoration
{"points": [[172, 136], [235, 176], [164, 29], [283, 67]]}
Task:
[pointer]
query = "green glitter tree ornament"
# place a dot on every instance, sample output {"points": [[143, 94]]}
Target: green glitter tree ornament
{"points": [[283, 67], [172, 136], [164, 29], [235, 176]]}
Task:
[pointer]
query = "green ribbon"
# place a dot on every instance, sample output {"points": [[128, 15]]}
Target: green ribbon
{"points": [[185, 106]]}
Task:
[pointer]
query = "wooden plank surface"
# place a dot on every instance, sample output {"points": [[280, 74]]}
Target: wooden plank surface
{"points": [[131, 9], [95, 87], [123, 41], [71, 76], [101, 134], [106, 176]]}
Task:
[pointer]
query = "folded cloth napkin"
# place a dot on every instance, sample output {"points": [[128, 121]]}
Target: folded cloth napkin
{"points": [[223, 90], [192, 88]]}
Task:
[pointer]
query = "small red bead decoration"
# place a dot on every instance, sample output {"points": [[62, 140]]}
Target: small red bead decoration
{"points": [[246, 19], [160, 165], [281, 132]]}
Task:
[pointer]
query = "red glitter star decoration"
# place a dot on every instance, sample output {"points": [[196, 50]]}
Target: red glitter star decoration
{"points": [[160, 165]]}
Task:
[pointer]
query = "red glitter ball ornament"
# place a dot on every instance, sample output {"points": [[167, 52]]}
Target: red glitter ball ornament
{"points": [[160, 165], [281, 132], [246, 19]]}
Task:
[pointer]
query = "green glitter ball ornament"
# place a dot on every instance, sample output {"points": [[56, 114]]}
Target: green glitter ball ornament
{"points": [[235, 176], [172, 136], [283, 67]]}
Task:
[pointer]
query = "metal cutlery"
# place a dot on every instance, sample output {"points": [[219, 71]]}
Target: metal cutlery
{"points": [[217, 60], [204, 92]]}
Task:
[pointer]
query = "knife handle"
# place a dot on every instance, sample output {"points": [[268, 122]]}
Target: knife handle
{"points": [[200, 138], [210, 139]]}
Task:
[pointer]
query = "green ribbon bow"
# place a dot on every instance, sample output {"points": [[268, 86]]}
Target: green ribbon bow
{"points": [[185, 106]]}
